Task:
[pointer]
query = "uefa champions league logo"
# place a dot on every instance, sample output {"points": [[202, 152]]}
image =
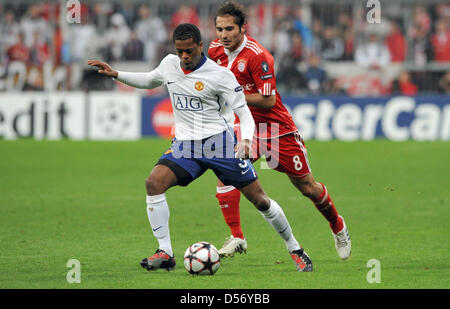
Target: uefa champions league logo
{"points": [[113, 118]]}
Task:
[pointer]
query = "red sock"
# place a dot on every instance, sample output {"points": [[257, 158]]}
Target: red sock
{"points": [[326, 206], [229, 203]]}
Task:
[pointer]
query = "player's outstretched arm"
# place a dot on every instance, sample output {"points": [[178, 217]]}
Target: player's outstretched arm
{"points": [[143, 80], [103, 68]]}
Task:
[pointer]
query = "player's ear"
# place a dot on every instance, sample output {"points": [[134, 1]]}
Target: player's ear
{"points": [[243, 29], [201, 45]]}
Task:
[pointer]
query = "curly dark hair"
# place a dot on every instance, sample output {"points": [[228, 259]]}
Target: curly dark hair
{"points": [[234, 9], [187, 31]]}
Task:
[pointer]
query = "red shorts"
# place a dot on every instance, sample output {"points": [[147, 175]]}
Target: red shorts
{"points": [[286, 154]]}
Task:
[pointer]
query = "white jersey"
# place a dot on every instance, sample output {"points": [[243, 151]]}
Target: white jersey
{"points": [[203, 100]]}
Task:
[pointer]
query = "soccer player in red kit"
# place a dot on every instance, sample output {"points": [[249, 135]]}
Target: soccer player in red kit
{"points": [[277, 137]]}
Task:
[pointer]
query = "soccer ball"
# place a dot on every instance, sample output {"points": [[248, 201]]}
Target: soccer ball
{"points": [[202, 258]]}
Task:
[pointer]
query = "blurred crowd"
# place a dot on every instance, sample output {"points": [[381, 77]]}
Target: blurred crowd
{"points": [[302, 40]]}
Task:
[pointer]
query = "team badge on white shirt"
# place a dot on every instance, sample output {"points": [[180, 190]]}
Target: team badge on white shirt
{"points": [[210, 88]]}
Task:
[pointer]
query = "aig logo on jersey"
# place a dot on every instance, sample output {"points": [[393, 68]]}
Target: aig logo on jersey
{"points": [[185, 102]]}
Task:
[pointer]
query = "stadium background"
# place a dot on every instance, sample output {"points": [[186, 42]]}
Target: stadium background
{"points": [[377, 130], [334, 82]]}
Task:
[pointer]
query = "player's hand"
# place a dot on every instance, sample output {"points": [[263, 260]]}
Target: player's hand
{"points": [[103, 68], [244, 149]]}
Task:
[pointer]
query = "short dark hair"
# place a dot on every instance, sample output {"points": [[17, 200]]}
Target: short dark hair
{"points": [[234, 9], [187, 31]]}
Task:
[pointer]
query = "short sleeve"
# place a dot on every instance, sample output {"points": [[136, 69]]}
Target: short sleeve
{"points": [[263, 74]]}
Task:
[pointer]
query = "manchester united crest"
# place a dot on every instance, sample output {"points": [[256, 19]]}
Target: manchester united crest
{"points": [[199, 86]]}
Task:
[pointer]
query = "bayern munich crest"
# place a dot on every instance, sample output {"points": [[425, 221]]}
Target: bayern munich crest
{"points": [[241, 65]]}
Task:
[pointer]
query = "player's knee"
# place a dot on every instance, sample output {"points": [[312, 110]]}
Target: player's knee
{"points": [[154, 185], [255, 195], [261, 202], [308, 190]]}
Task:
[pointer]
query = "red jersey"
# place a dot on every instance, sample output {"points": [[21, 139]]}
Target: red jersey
{"points": [[253, 67], [441, 46]]}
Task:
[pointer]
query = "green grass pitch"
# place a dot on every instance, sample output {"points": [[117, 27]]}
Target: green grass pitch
{"points": [[86, 201]]}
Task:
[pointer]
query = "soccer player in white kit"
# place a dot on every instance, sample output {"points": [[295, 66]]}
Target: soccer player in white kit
{"points": [[205, 97]]}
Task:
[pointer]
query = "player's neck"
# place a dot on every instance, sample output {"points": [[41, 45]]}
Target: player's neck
{"points": [[199, 64]]}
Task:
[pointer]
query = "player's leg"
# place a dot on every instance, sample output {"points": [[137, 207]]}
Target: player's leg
{"points": [[242, 175], [160, 179], [229, 197], [319, 195], [292, 159], [275, 216], [168, 172]]}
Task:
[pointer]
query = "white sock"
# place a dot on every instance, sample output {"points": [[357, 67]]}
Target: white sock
{"points": [[158, 215], [224, 189], [275, 216]]}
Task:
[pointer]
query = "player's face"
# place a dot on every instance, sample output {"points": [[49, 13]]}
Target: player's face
{"points": [[189, 52], [228, 32]]}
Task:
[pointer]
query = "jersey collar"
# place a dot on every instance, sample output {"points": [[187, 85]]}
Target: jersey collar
{"points": [[202, 61]]}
